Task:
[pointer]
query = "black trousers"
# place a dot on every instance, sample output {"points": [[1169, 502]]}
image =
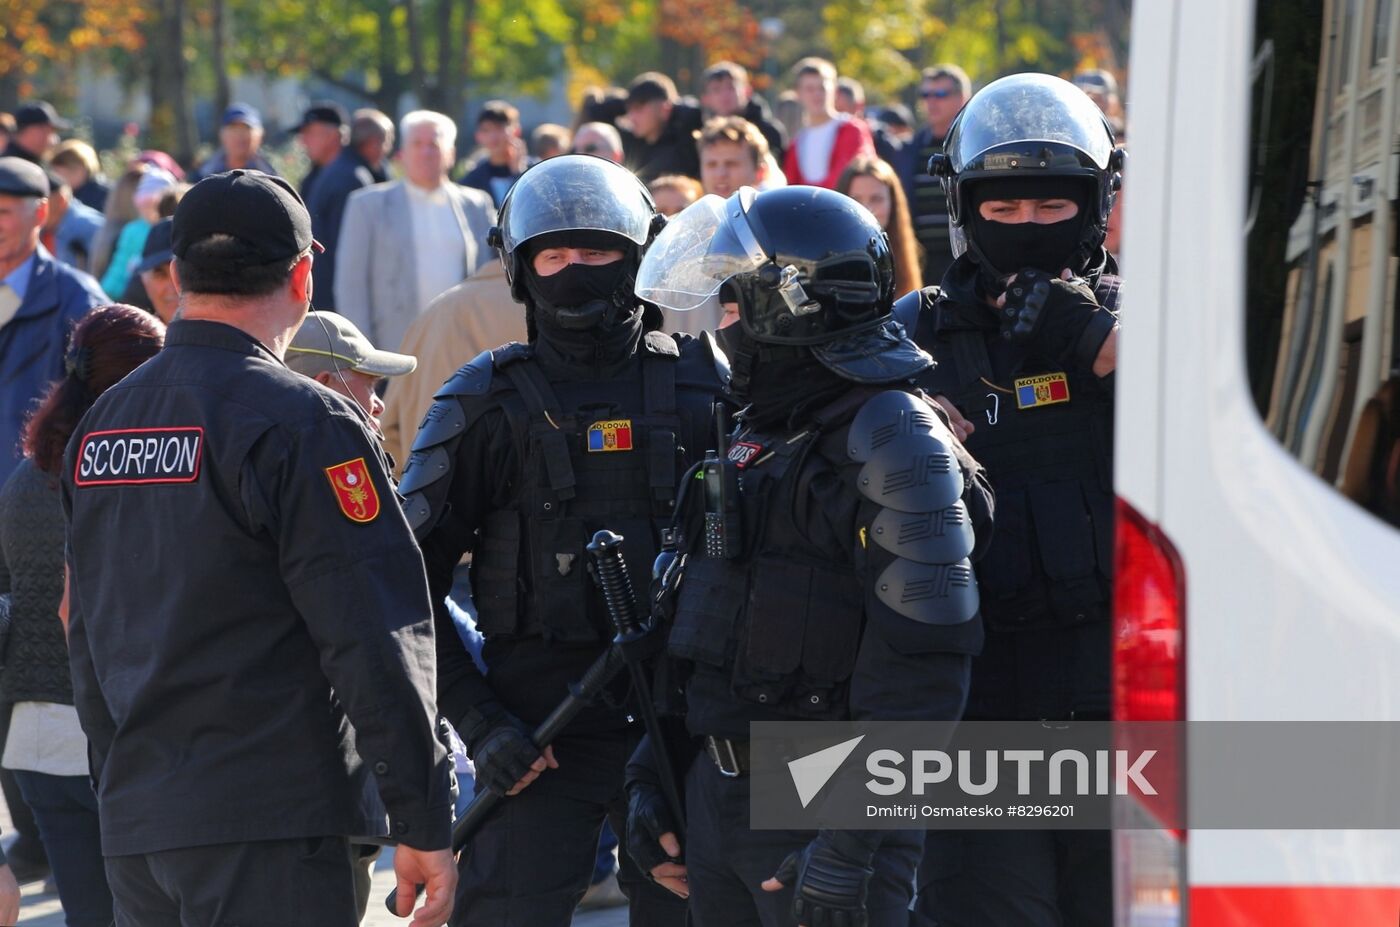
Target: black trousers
{"points": [[533, 860], [1016, 879], [302, 882], [727, 862]]}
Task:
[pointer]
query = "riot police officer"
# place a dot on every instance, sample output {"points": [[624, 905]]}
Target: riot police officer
{"points": [[794, 604], [1024, 330], [528, 450]]}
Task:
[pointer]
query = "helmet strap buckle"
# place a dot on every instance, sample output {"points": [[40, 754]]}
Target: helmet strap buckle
{"points": [[785, 281]]}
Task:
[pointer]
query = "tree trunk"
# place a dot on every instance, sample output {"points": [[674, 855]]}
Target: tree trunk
{"points": [[172, 127], [219, 56], [1001, 37], [386, 99], [449, 87], [416, 77]]}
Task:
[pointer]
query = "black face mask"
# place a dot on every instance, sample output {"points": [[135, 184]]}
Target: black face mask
{"points": [[578, 297], [1011, 247], [728, 340]]}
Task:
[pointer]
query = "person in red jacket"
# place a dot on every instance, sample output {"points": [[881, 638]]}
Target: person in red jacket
{"points": [[828, 139]]}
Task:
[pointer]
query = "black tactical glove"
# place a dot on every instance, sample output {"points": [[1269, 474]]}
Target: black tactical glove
{"points": [[832, 878], [647, 819], [501, 749], [1061, 318]]}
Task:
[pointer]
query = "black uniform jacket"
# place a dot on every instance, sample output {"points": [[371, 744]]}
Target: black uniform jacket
{"points": [[244, 589]]}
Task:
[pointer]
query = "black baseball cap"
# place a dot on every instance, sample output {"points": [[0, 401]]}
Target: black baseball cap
{"points": [[19, 177], [332, 114], [157, 250], [39, 113], [261, 211]]}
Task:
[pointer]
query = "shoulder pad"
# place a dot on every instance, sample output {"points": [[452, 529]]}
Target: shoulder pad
{"points": [[472, 379], [942, 536], [417, 511], [889, 415], [511, 352], [661, 344], [911, 471], [910, 465], [908, 307], [927, 593], [426, 465]]}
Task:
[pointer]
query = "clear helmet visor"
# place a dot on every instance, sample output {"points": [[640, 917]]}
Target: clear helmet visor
{"points": [[1018, 115], [576, 192], [700, 248]]}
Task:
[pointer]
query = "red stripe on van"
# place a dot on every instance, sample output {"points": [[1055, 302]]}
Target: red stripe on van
{"points": [[1294, 906]]}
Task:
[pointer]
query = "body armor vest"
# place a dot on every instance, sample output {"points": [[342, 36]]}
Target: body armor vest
{"points": [[785, 617], [594, 454], [779, 627], [1045, 437]]}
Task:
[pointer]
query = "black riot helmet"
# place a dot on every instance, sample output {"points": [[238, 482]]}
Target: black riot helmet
{"points": [[601, 201], [807, 266], [1035, 131]]}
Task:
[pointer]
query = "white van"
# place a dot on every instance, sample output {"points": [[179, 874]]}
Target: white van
{"points": [[1258, 458]]}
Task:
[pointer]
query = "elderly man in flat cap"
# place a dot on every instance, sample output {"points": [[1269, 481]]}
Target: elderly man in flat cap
{"points": [[40, 299]]}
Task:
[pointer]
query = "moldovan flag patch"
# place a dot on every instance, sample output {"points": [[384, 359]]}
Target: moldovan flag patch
{"points": [[610, 436], [354, 490], [1044, 390]]}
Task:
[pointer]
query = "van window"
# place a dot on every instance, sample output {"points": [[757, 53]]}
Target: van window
{"points": [[1321, 283]]}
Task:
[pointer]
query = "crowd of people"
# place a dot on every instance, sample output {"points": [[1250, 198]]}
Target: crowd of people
{"points": [[413, 264]]}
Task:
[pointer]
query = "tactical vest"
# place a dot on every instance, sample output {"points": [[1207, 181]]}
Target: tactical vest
{"points": [[785, 618], [1045, 438], [588, 461]]}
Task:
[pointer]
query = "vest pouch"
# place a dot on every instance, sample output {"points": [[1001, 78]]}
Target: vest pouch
{"points": [[804, 627], [1065, 535], [560, 581], [1005, 570], [495, 574], [710, 598]]}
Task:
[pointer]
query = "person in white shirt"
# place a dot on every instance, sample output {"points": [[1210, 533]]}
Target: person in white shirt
{"points": [[404, 242]]}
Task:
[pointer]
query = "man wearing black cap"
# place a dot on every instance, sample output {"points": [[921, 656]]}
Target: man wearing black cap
{"points": [[240, 137], [218, 674], [659, 139], [40, 299], [37, 126], [361, 163], [154, 271], [323, 132]]}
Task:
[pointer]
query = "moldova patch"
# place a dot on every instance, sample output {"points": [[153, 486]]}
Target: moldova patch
{"points": [[354, 490], [610, 436], [1043, 390]]}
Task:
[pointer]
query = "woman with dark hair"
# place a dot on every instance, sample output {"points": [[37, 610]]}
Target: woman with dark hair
{"points": [[46, 749], [874, 184]]}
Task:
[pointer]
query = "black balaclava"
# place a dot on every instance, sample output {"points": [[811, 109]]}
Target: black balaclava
{"points": [[779, 383], [1002, 248], [585, 319]]}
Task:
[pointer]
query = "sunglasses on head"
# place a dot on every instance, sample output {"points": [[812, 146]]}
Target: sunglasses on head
{"points": [[939, 94]]}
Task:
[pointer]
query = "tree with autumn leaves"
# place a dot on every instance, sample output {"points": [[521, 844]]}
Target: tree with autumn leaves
{"points": [[380, 50]]}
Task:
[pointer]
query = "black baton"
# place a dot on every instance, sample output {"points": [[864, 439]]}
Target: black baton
{"points": [[637, 642], [581, 693]]}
